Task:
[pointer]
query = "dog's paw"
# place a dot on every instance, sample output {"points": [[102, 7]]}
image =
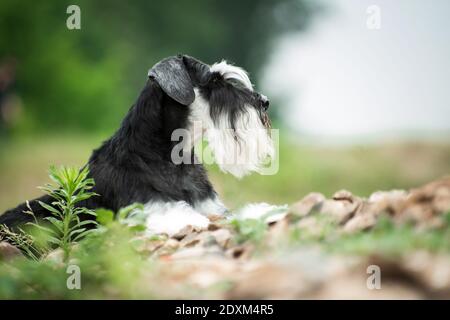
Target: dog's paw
{"points": [[211, 207], [172, 217]]}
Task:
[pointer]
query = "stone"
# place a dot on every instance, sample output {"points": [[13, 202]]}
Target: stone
{"points": [[222, 237], [183, 232], [360, 222], [8, 251], [168, 248], [305, 206], [344, 195], [340, 210]]}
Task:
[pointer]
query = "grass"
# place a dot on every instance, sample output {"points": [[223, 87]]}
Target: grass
{"points": [[114, 265], [249, 230], [384, 239], [22, 240], [387, 239], [302, 169]]}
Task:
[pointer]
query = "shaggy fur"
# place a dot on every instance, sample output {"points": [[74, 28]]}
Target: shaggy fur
{"points": [[135, 164]]}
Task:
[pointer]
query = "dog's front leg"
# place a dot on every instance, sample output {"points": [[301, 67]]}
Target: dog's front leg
{"points": [[172, 217]]}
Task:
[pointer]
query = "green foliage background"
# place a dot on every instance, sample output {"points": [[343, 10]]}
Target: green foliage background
{"points": [[87, 79]]}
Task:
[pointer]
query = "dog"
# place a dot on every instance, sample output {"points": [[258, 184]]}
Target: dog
{"points": [[138, 163]]}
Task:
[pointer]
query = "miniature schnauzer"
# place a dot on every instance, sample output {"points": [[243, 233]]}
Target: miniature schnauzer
{"points": [[145, 161]]}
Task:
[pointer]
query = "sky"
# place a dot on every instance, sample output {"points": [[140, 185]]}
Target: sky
{"points": [[345, 80]]}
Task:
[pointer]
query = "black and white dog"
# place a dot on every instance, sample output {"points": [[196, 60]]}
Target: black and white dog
{"points": [[138, 163]]}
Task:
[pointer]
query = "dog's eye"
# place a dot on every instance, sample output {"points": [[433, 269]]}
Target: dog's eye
{"points": [[236, 83]]}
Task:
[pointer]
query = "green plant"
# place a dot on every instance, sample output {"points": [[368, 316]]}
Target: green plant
{"points": [[22, 240], [253, 229], [387, 238], [71, 186], [132, 216]]}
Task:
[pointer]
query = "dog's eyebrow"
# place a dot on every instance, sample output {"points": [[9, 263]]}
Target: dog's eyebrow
{"points": [[229, 71]]}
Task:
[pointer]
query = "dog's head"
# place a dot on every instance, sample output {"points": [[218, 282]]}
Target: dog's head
{"points": [[221, 100]]}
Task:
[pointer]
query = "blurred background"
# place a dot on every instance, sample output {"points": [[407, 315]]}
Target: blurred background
{"points": [[359, 92]]}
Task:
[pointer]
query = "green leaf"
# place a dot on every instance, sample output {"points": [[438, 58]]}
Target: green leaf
{"points": [[49, 208], [54, 241], [104, 216], [84, 223], [138, 228], [76, 231], [84, 234], [83, 196], [81, 210], [42, 228], [57, 223]]}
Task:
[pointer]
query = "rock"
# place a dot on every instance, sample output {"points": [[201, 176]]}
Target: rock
{"points": [[277, 233], [307, 204], [222, 236], [365, 217], [360, 222], [240, 252], [8, 251], [426, 203], [198, 239], [417, 213], [190, 240], [152, 245], [436, 190], [441, 199], [219, 237], [214, 226], [344, 195], [292, 276], [351, 285], [196, 252], [311, 225], [340, 210], [270, 281], [215, 217], [274, 218], [144, 244], [183, 232], [201, 277], [390, 202], [56, 255], [431, 270], [367, 212], [389, 196], [169, 247]]}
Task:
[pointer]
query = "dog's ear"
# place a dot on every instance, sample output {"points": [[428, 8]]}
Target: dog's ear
{"points": [[197, 69], [173, 78]]}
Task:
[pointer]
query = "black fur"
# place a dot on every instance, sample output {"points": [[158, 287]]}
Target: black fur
{"points": [[135, 165]]}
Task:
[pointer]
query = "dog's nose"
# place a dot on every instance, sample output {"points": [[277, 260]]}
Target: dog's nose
{"points": [[264, 102]]}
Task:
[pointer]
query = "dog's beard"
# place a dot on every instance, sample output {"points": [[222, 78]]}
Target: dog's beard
{"points": [[245, 148]]}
